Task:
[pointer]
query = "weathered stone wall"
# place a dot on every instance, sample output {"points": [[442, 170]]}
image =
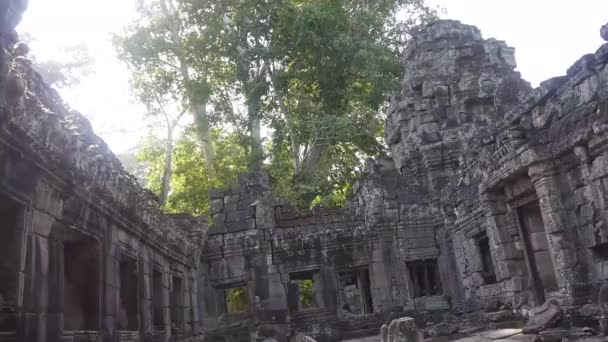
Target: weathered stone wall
{"points": [[494, 196], [76, 225], [494, 186]]}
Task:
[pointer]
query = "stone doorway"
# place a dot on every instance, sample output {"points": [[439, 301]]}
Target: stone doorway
{"points": [[158, 306], [81, 281], [540, 263], [356, 293], [11, 223], [177, 303], [128, 314]]}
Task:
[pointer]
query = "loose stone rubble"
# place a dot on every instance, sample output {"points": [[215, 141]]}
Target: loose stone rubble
{"points": [[493, 202]]}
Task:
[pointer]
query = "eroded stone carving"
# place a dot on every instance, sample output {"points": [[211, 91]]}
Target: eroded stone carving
{"points": [[494, 198]]}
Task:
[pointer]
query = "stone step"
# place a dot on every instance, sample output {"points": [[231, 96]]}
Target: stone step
{"points": [[363, 333]]}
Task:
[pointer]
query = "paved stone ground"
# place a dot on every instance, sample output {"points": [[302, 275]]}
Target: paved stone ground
{"points": [[499, 335]]}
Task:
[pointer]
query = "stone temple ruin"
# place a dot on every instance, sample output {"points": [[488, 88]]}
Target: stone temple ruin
{"points": [[494, 202]]}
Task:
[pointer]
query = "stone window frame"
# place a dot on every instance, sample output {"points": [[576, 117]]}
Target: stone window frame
{"points": [[157, 267], [101, 259], [504, 200], [180, 275], [124, 250], [488, 272], [232, 285], [413, 294], [600, 251], [311, 272]]}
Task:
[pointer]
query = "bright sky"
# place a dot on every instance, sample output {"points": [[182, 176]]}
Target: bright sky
{"points": [[548, 35]]}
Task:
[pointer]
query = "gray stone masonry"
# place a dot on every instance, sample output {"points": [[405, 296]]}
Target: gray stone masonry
{"points": [[494, 199]]}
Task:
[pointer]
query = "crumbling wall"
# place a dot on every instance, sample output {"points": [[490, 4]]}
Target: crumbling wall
{"points": [[493, 198], [73, 215]]}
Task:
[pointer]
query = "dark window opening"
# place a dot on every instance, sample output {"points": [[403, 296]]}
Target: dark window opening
{"points": [[356, 292], [129, 304], [488, 273], [11, 221], [305, 286], [424, 277], [601, 251], [236, 299], [177, 303], [157, 301], [81, 293], [479, 110], [417, 89]]}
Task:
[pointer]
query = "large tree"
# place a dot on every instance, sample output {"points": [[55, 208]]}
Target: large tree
{"points": [[190, 182], [161, 41], [315, 73], [165, 110]]}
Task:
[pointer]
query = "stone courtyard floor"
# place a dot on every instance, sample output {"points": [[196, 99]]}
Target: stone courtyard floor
{"points": [[499, 335]]}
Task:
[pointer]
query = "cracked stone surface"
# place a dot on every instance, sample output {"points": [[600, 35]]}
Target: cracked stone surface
{"points": [[494, 198]]}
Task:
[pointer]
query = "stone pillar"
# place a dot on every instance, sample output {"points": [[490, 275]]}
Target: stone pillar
{"points": [[558, 222], [55, 312], [145, 306], [272, 313], [47, 207], [186, 303], [167, 300], [194, 298], [506, 256], [501, 241], [109, 288]]}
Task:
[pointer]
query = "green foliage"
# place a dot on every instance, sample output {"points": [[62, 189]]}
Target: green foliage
{"points": [[330, 191], [307, 295], [190, 183], [316, 72], [237, 300], [338, 60]]}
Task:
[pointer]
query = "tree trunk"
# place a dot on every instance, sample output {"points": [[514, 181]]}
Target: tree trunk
{"points": [[255, 129], [314, 163], [202, 126], [295, 146], [168, 168], [197, 106]]}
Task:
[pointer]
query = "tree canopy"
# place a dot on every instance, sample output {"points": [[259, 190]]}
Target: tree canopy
{"points": [[294, 86]]}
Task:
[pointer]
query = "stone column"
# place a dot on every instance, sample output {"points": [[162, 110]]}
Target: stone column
{"points": [[109, 288], [145, 306], [167, 300], [507, 258], [558, 222], [501, 241], [194, 299], [47, 207], [271, 315], [36, 295], [186, 303], [55, 312]]}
